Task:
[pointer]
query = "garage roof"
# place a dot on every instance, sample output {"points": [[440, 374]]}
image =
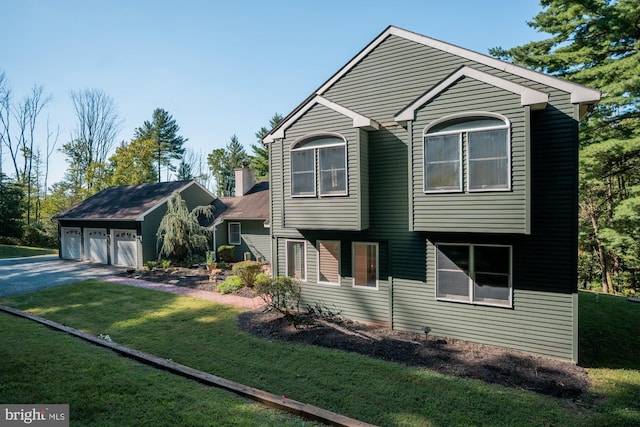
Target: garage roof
{"points": [[125, 202]]}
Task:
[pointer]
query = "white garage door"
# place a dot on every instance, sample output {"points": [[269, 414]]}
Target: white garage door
{"points": [[95, 245], [71, 242], [125, 244]]}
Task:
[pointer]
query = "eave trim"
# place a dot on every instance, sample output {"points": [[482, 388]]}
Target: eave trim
{"points": [[359, 121], [536, 99]]}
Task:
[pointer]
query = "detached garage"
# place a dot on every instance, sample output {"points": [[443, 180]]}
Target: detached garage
{"points": [[118, 225]]}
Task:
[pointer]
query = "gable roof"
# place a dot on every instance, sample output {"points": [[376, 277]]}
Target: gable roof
{"points": [[580, 95], [125, 202], [253, 205], [534, 98]]}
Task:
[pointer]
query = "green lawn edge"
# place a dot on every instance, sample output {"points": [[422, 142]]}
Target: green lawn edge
{"points": [[11, 251]]}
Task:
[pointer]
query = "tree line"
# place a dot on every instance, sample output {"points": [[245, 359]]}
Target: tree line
{"points": [[595, 43], [156, 152]]}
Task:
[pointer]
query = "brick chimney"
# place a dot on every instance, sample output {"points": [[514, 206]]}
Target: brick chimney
{"points": [[244, 179]]}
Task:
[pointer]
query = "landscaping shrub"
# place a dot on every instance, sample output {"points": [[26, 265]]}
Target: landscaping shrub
{"points": [[36, 236], [231, 284], [282, 294], [225, 253], [261, 280], [151, 265], [247, 271]]}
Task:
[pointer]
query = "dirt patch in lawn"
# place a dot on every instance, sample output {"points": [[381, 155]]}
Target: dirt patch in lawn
{"points": [[446, 356], [449, 357]]}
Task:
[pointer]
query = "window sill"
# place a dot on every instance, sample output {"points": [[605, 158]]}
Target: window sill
{"points": [[332, 284], [367, 288], [483, 304]]}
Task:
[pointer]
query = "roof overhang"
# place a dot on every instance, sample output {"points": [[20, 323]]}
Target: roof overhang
{"points": [[536, 99], [99, 219], [359, 121]]}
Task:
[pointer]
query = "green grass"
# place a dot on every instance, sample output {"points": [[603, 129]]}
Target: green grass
{"points": [[203, 335], [10, 251], [45, 366]]}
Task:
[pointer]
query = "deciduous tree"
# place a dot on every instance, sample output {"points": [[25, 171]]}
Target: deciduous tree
{"points": [[180, 235], [91, 141], [12, 208], [133, 163]]}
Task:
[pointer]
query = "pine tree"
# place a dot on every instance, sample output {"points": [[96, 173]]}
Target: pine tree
{"points": [[596, 43], [260, 159], [163, 129], [223, 162]]}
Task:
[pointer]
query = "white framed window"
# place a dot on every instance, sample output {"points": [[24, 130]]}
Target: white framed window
{"points": [[483, 139], [296, 259], [329, 262], [319, 161], [234, 236], [442, 162], [474, 274], [365, 265]]}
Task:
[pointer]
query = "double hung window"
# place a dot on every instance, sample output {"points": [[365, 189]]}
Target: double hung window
{"points": [[329, 262], [234, 233], [485, 144], [478, 274], [296, 259], [365, 265], [319, 161]]}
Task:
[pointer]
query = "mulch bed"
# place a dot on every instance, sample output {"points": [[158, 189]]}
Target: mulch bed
{"points": [[449, 357]]}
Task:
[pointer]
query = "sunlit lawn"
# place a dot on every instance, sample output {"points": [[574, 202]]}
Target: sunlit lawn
{"points": [[203, 335], [10, 251], [40, 365]]}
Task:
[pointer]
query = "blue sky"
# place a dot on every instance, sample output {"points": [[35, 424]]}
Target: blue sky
{"points": [[220, 68]]}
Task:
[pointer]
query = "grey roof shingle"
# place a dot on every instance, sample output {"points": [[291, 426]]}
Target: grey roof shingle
{"points": [[123, 202], [253, 205]]}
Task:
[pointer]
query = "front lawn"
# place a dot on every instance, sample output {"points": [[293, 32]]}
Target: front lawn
{"points": [[39, 365], [10, 251], [203, 335]]}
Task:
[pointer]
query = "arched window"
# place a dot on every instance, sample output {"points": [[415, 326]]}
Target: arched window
{"points": [[328, 154], [480, 138]]}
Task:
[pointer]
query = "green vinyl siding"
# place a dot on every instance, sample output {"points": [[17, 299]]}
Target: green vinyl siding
{"points": [[276, 185], [536, 217], [328, 212], [490, 211], [254, 236], [149, 237], [540, 322], [391, 77], [193, 195]]}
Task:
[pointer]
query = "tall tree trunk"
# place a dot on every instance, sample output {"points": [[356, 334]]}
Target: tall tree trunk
{"points": [[607, 283]]}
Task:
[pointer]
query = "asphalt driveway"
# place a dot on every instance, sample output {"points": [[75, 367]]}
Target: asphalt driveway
{"points": [[18, 275]]}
